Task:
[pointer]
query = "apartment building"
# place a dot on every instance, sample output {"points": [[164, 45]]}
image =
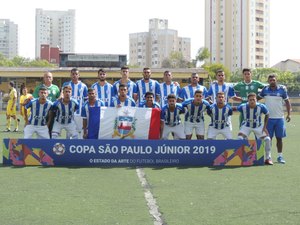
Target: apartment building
{"points": [[9, 38], [152, 47], [56, 29], [237, 33]]}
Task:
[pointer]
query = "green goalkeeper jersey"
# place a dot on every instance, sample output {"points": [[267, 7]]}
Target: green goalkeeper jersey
{"points": [[53, 92], [244, 89]]}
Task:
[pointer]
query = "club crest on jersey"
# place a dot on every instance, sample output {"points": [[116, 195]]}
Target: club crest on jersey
{"points": [[125, 125]]}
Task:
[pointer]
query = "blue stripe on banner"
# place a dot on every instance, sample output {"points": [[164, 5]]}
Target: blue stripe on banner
{"points": [[94, 122]]}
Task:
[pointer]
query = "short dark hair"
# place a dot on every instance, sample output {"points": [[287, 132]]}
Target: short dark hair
{"points": [[124, 68], [198, 92], [171, 96], [149, 93], [101, 70], [69, 87], [272, 75], [122, 85], [91, 89], [251, 94], [11, 83], [74, 70], [42, 88], [219, 71], [246, 70]]}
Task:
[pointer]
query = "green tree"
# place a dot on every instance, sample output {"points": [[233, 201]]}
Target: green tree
{"points": [[202, 54], [212, 69], [176, 60]]}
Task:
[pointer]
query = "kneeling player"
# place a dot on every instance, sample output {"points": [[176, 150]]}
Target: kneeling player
{"points": [[194, 117], [252, 122], [220, 113], [170, 119], [64, 110], [36, 123]]}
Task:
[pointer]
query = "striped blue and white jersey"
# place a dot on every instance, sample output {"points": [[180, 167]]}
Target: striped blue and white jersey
{"points": [[86, 106], [189, 91], [79, 92], [143, 87], [105, 93], [252, 116], [219, 116], [128, 102], [194, 113], [143, 105], [65, 112], [39, 112], [171, 118], [214, 89], [131, 86], [165, 90]]}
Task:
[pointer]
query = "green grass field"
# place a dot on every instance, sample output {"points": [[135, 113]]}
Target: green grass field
{"points": [[202, 195]]}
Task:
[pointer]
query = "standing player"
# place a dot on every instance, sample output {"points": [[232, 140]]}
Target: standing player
{"points": [[252, 122], [219, 113], [24, 98], [274, 95], [147, 85], [131, 86], [188, 91], [64, 110], [92, 101], [222, 86], [53, 90], [194, 115], [79, 92], [123, 99], [168, 87], [11, 109], [104, 90], [36, 123], [247, 86], [149, 102], [170, 119]]}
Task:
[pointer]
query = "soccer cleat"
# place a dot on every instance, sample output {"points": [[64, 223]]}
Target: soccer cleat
{"points": [[281, 160], [7, 130], [268, 162], [16, 130]]}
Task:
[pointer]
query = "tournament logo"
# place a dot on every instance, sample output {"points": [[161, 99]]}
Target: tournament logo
{"points": [[59, 149], [124, 125]]}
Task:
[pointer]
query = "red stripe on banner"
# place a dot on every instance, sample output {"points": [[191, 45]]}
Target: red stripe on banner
{"points": [[154, 129]]}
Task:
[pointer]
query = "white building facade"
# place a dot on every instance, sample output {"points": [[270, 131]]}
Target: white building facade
{"points": [[9, 39], [55, 28], [237, 33], [149, 49]]}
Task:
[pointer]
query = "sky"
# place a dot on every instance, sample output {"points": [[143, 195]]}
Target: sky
{"points": [[103, 27]]}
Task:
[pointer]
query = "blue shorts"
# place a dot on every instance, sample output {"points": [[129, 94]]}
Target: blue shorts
{"points": [[276, 126]]}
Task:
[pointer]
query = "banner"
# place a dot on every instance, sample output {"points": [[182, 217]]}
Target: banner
{"points": [[128, 153], [123, 123]]}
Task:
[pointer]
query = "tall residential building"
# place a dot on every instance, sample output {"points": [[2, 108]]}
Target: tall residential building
{"points": [[9, 45], [56, 29], [152, 47], [237, 33]]}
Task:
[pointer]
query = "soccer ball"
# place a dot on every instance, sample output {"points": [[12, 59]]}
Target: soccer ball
{"points": [[59, 149]]}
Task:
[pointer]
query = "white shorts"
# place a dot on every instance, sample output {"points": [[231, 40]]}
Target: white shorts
{"points": [[177, 130], [42, 132], [212, 132], [70, 128], [257, 131], [199, 128]]}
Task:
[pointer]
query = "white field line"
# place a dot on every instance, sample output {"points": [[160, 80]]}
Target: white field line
{"points": [[151, 202]]}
